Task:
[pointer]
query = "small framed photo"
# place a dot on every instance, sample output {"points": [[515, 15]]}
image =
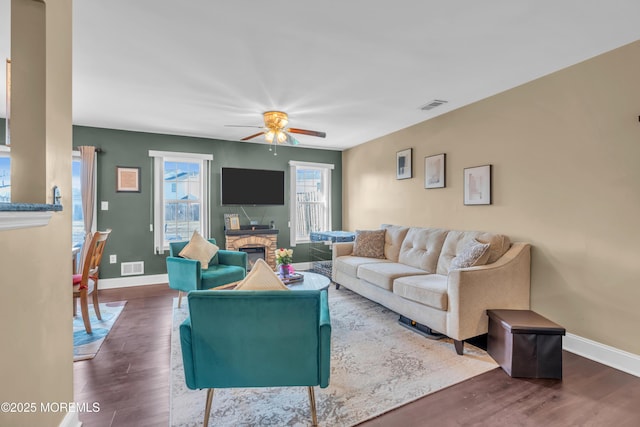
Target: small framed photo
{"points": [[477, 185], [127, 179], [434, 171], [403, 164], [231, 221]]}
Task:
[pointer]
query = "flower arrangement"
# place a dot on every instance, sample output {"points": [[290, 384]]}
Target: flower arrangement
{"points": [[284, 256]]}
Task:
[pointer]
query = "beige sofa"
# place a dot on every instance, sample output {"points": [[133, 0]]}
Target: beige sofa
{"points": [[422, 275]]}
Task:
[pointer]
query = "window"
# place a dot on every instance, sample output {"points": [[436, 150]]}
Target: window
{"points": [[310, 199], [180, 201], [77, 215], [76, 193], [5, 175]]}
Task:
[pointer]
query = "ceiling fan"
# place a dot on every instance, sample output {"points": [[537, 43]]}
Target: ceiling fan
{"points": [[275, 129]]}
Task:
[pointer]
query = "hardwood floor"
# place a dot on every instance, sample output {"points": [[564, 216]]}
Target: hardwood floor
{"points": [[130, 379]]}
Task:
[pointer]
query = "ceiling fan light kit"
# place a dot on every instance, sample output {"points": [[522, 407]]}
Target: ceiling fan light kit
{"points": [[275, 130]]}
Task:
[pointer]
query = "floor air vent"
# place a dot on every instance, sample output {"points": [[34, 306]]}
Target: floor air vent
{"points": [[131, 268]]}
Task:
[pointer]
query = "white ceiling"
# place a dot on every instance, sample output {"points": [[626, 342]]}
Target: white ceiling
{"points": [[355, 69]]}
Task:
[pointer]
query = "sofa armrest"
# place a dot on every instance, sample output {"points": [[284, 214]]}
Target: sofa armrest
{"points": [[504, 284], [187, 353], [238, 258], [184, 274], [324, 351], [341, 249]]}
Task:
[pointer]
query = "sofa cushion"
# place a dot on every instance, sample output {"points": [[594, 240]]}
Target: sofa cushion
{"points": [[349, 264], [457, 241], [369, 243], [393, 238], [475, 253], [429, 290], [421, 248], [220, 274], [382, 274]]}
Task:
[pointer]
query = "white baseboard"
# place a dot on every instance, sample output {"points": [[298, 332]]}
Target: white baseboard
{"points": [[125, 282], [601, 353], [71, 420]]}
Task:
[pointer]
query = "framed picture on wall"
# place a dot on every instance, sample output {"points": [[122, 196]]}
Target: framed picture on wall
{"points": [[434, 171], [477, 185], [127, 179], [403, 164]]}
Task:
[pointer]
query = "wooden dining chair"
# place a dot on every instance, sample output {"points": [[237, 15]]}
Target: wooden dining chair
{"points": [[85, 283]]}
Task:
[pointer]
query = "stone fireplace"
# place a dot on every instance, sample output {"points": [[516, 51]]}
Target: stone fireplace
{"points": [[250, 239]]}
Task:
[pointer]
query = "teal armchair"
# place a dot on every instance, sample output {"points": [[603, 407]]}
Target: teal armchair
{"points": [[256, 339], [187, 275]]}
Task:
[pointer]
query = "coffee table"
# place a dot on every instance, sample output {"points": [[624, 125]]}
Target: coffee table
{"points": [[311, 282]]}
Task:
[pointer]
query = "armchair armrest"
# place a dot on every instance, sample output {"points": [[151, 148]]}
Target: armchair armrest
{"points": [[238, 258], [324, 351], [472, 291], [187, 353], [184, 274]]}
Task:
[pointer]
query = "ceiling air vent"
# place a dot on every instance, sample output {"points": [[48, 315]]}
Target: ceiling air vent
{"points": [[433, 104]]}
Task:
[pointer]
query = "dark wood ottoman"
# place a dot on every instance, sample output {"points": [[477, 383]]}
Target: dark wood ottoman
{"points": [[525, 344]]}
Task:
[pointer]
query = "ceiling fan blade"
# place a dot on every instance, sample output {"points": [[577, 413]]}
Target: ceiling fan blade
{"points": [[307, 132], [252, 136], [243, 126]]}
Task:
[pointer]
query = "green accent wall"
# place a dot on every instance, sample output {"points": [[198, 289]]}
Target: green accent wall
{"points": [[130, 214], [2, 131]]}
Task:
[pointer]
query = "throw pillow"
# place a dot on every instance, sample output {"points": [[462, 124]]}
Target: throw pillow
{"points": [[261, 278], [473, 254], [199, 249], [369, 243]]}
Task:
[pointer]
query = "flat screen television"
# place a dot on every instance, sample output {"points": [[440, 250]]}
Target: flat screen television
{"points": [[252, 187]]}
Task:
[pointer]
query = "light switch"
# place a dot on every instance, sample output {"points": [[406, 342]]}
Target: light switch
{"points": [[104, 206], [113, 259]]}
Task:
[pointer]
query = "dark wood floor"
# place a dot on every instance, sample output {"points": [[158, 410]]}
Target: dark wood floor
{"points": [[130, 379]]}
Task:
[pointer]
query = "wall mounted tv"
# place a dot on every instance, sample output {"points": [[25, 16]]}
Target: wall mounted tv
{"points": [[252, 187]]}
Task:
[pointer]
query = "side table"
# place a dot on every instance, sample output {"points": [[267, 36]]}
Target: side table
{"points": [[525, 344]]}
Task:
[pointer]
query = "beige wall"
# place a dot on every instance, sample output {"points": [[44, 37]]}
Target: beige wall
{"points": [[565, 151], [35, 263]]}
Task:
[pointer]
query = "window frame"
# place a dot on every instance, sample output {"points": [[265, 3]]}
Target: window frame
{"points": [[77, 156], [294, 167], [158, 203]]}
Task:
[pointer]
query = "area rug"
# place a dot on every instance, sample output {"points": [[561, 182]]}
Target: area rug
{"points": [[376, 365], [86, 346]]}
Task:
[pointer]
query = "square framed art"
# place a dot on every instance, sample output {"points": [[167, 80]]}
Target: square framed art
{"points": [[477, 185], [127, 179]]}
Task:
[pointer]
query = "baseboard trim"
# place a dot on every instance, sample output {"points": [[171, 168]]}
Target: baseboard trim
{"points": [[601, 353], [71, 420], [126, 282]]}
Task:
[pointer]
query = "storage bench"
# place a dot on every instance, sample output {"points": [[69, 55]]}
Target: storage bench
{"points": [[525, 344]]}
